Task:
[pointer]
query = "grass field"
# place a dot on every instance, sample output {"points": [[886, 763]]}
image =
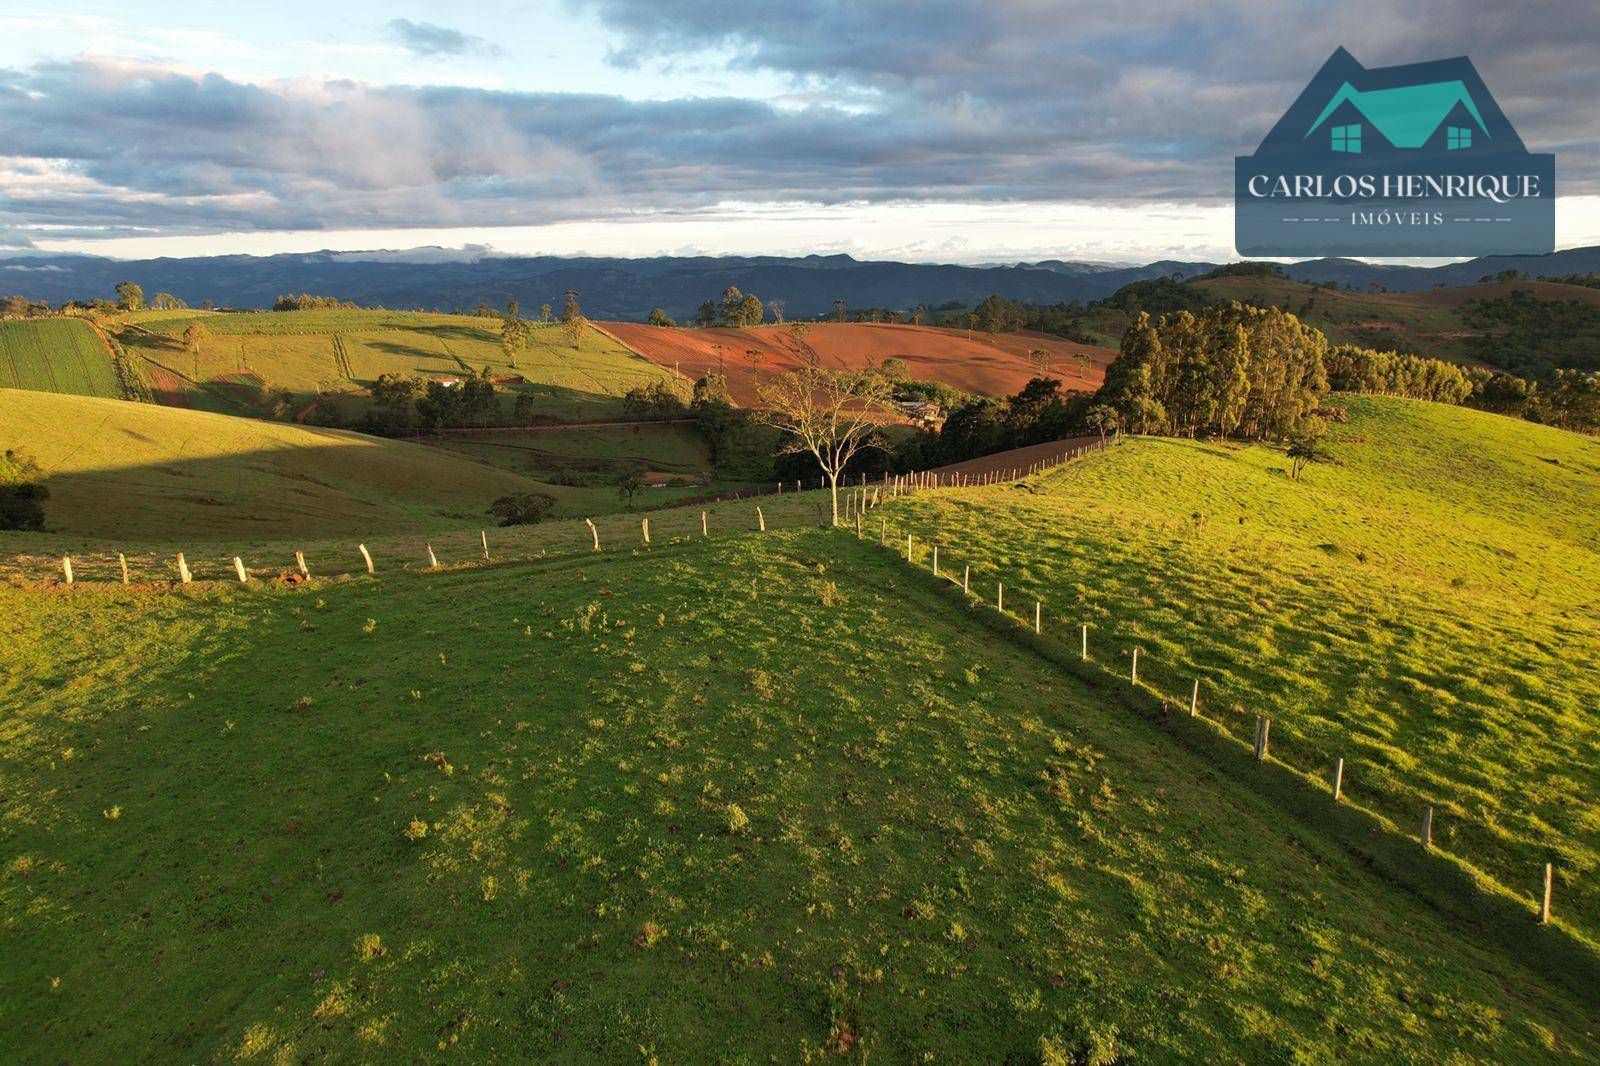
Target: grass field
{"points": [[56, 355], [126, 472], [737, 799], [1427, 607], [344, 351]]}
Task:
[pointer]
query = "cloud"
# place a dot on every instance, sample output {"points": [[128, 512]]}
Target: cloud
{"points": [[926, 102], [429, 40]]}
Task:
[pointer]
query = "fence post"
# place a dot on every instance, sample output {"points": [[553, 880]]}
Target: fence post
{"points": [[966, 577], [238, 568], [595, 532], [935, 560], [883, 532], [368, 557], [761, 520], [644, 527], [1427, 827], [1038, 617], [300, 561], [1134, 675], [1086, 642], [122, 561], [66, 567], [705, 527], [1194, 699], [433, 560], [1263, 731], [183, 569], [1338, 778], [908, 547], [858, 525], [484, 534], [1000, 596], [1544, 908]]}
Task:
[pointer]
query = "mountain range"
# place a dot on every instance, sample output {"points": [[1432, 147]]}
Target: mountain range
{"points": [[619, 288]]}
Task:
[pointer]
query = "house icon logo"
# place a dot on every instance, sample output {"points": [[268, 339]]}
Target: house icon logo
{"points": [[1414, 160]]}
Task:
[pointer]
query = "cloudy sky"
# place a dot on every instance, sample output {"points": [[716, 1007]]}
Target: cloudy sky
{"points": [[1011, 129]]}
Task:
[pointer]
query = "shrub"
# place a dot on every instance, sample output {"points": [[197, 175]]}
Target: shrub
{"points": [[22, 492], [738, 821], [523, 508]]}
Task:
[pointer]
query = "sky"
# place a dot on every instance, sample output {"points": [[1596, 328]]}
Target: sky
{"points": [[927, 131]]}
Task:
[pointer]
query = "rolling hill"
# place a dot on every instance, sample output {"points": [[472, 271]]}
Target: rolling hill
{"points": [[972, 361], [1419, 606], [585, 808], [340, 352], [128, 472]]}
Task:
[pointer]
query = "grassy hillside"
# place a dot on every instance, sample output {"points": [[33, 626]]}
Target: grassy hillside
{"points": [[731, 799], [56, 355], [343, 351], [132, 472], [1427, 607]]}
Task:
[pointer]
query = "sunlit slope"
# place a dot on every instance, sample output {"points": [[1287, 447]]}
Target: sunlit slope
{"points": [[56, 355], [741, 799], [343, 351], [143, 472], [1427, 606]]}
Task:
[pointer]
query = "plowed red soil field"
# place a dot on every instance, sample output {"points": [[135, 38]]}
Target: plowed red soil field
{"points": [[976, 362]]}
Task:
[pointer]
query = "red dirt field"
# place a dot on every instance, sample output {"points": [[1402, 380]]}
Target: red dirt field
{"points": [[976, 362]]}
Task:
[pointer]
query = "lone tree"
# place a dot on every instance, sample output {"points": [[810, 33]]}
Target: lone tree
{"points": [[1305, 448], [827, 414], [194, 338], [1103, 419]]}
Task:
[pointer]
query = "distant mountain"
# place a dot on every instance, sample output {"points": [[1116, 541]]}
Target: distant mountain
{"points": [[629, 288]]}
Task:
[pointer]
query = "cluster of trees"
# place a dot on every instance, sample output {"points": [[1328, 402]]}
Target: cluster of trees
{"points": [[1228, 370], [1530, 336], [403, 405], [737, 309], [307, 302], [1355, 369]]}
